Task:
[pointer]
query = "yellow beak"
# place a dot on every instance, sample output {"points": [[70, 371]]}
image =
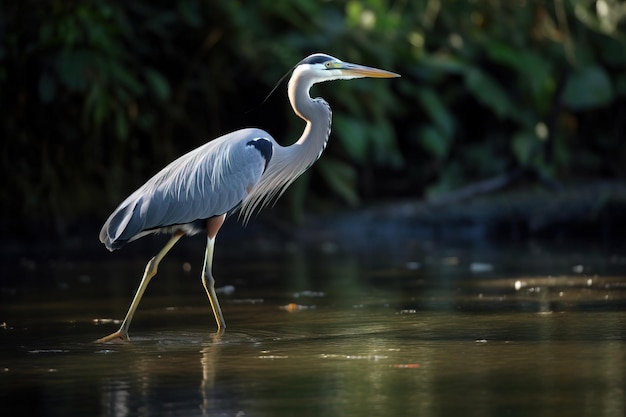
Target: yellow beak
{"points": [[363, 71]]}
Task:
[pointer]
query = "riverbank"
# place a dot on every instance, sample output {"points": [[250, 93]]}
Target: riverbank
{"points": [[591, 211]]}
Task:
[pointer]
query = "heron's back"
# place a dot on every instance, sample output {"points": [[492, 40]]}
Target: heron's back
{"points": [[208, 181]]}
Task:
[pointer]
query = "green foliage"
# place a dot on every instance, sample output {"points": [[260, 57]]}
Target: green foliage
{"points": [[588, 89], [533, 74], [341, 178], [98, 95]]}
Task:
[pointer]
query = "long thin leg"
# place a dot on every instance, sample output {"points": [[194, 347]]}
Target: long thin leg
{"points": [[213, 226], [151, 270]]}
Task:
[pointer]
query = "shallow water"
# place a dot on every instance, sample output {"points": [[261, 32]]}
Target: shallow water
{"points": [[420, 329]]}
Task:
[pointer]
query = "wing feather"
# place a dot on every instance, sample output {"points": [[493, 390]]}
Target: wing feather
{"points": [[208, 181]]}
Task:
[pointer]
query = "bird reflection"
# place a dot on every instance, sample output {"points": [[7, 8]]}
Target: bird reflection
{"points": [[115, 398], [208, 362], [157, 378]]}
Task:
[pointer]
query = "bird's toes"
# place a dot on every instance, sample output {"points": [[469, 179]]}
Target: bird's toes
{"points": [[116, 337]]}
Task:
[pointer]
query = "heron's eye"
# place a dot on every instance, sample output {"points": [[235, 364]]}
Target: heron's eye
{"points": [[328, 64]]}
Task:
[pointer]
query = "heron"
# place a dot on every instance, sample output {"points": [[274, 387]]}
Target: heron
{"points": [[243, 170]]}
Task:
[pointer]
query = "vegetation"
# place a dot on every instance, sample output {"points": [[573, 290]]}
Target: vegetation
{"points": [[97, 95]]}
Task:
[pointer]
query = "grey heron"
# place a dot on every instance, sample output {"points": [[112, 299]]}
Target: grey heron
{"points": [[243, 170]]}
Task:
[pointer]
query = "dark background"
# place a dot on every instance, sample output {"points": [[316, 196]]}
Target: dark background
{"points": [[524, 99]]}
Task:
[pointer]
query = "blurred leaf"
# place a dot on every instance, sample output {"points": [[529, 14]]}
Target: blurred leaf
{"points": [[562, 152], [354, 10], [297, 195], [353, 135], [341, 177], [383, 145], [483, 160], [47, 88], [158, 84], [123, 77], [488, 92], [100, 37], [450, 178], [606, 22], [443, 63], [620, 85], [121, 124], [433, 141], [189, 12], [96, 105], [524, 61], [588, 88], [533, 70], [437, 110], [158, 23], [72, 68], [523, 145], [612, 51]]}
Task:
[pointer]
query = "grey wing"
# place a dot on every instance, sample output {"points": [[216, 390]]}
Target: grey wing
{"points": [[208, 181]]}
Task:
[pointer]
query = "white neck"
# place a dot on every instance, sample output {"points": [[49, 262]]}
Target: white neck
{"points": [[289, 162]]}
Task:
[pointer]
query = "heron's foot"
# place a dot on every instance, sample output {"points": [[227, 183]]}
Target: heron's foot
{"points": [[116, 337], [219, 333], [216, 337]]}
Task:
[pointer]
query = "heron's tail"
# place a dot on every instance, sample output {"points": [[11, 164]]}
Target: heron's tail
{"points": [[116, 232]]}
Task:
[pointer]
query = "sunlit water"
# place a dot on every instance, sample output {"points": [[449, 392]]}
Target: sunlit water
{"points": [[425, 330]]}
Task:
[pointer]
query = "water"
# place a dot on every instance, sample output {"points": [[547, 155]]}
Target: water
{"points": [[411, 329]]}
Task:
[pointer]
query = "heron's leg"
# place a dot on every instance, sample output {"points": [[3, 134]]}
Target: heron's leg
{"points": [[151, 270], [213, 226]]}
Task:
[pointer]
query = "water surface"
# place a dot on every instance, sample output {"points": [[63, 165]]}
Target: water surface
{"points": [[415, 329]]}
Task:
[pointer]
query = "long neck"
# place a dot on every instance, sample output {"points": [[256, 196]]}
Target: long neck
{"points": [[317, 115], [289, 162]]}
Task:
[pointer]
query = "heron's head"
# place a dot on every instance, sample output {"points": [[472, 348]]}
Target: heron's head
{"points": [[322, 67]]}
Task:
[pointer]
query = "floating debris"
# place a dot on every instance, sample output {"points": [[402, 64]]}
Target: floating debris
{"points": [[84, 279], [353, 357], [48, 351], [226, 290], [329, 247], [480, 267], [248, 301], [308, 293], [291, 307], [106, 321], [413, 265], [405, 365]]}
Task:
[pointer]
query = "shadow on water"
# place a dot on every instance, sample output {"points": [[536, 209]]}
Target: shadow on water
{"points": [[393, 330]]}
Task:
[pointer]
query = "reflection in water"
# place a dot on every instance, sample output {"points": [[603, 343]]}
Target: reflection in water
{"points": [[116, 398], [209, 363], [430, 363], [414, 333]]}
